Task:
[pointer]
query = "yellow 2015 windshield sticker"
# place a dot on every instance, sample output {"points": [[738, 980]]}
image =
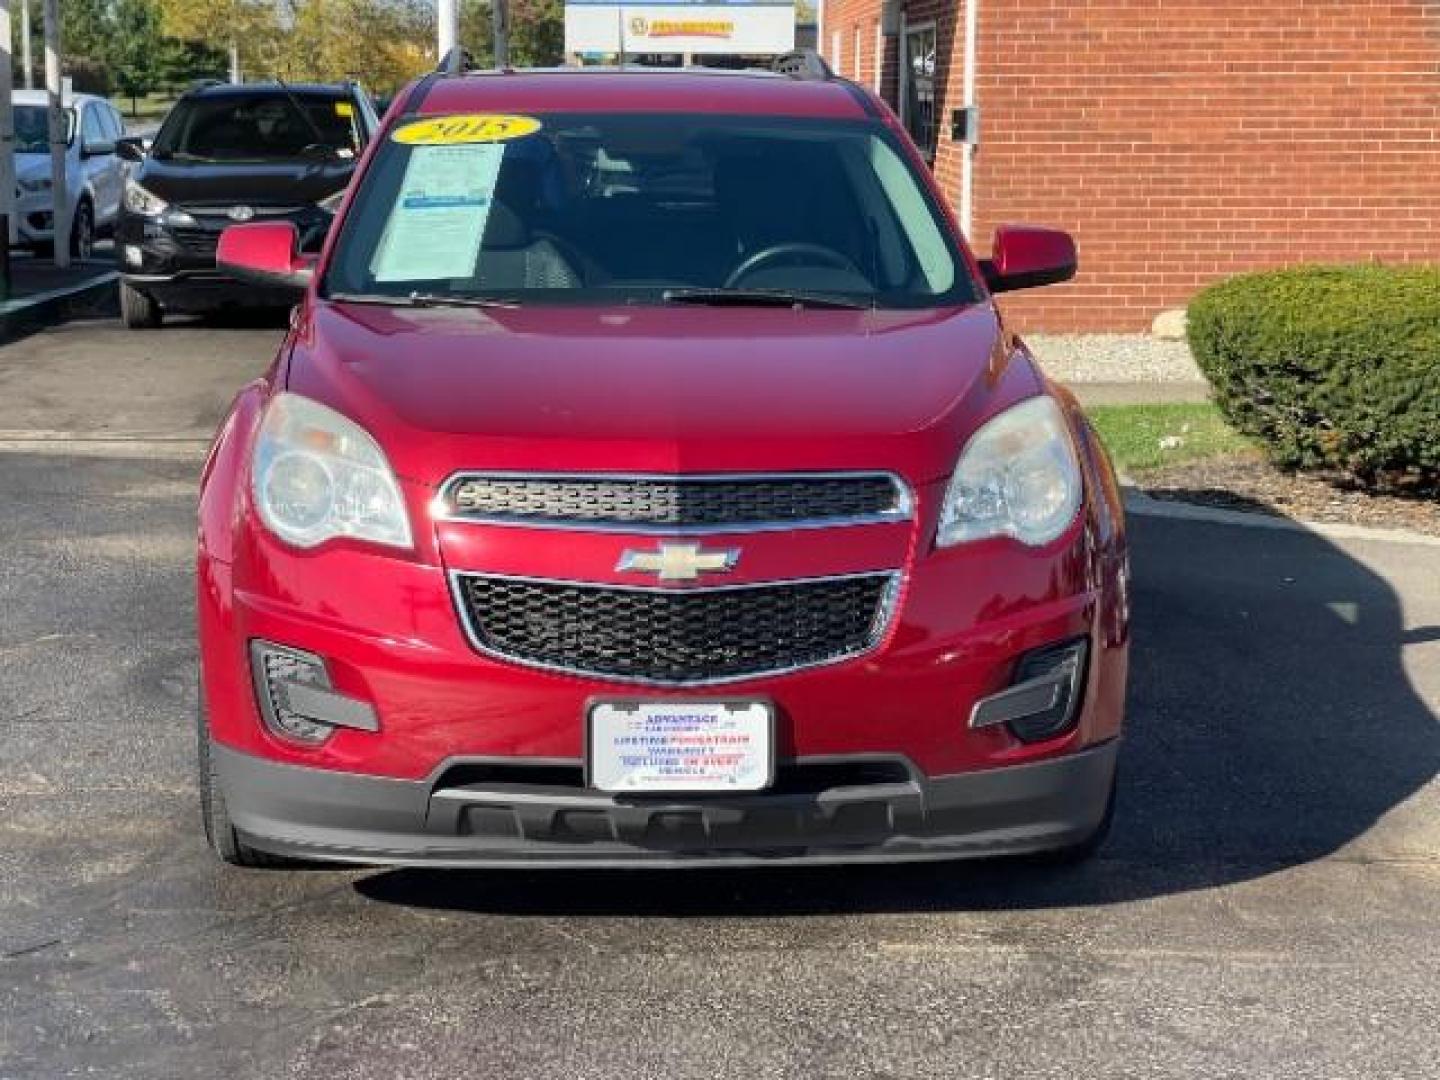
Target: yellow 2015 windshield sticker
{"points": [[462, 129]]}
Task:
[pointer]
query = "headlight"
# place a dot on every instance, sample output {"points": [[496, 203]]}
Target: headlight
{"points": [[331, 203], [317, 476], [1018, 476], [36, 183], [140, 201]]}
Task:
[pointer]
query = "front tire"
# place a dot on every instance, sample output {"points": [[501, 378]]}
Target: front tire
{"points": [[219, 830], [137, 310], [82, 231]]}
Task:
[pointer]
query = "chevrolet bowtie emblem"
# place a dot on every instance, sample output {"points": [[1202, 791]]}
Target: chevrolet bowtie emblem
{"points": [[679, 562]]}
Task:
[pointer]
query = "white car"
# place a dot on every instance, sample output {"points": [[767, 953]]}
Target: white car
{"points": [[94, 176]]}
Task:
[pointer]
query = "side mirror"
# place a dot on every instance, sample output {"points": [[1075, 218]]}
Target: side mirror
{"points": [[265, 253], [97, 149], [1026, 257], [130, 148]]}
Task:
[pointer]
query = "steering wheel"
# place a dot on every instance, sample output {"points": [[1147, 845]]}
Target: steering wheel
{"points": [[823, 255]]}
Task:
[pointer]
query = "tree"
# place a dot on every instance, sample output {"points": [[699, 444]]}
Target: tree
{"points": [[382, 42], [179, 63], [134, 57], [249, 30], [537, 32], [85, 27]]}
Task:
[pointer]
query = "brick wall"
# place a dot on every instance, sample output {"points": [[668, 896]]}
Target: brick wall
{"points": [[1186, 140]]}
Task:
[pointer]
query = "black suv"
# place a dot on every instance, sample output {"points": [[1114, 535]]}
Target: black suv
{"points": [[257, 152]]}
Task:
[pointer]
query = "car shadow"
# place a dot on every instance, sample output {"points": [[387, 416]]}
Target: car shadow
{"points": [[230, 318], [1271, 723]]}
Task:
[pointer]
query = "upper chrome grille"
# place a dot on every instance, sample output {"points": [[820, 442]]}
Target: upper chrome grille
{"points": [[700, 503]]}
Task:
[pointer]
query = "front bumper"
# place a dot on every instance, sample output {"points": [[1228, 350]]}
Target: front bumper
{"points": [[207, 290], [171, 257], [344, 817]]}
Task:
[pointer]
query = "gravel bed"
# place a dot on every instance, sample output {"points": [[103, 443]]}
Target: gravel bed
{"points": [[1244, 483], [1112, 358]]}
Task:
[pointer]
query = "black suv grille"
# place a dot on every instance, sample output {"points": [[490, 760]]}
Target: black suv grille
{"points": [[198, 241], [676, 636], [203, 237], [677, 502]]}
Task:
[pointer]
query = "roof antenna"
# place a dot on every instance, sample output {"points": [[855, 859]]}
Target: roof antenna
{"points": [[620, 28]]}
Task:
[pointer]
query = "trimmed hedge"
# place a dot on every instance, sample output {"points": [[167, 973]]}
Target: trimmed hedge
{"points": [[1331, 368]]}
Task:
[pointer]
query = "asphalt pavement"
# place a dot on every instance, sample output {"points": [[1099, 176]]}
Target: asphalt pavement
{"points": [[1269, 905]]}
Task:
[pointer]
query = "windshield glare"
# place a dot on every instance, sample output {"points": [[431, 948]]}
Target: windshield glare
{"points": [[597, 208], [257, 127]]}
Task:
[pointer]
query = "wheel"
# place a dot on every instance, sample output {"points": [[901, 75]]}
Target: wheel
{"points": [[219, 831], [82, 231], [138, 310]]}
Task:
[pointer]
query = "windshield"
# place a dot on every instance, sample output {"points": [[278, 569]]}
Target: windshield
{"points": [[257, 127], [599, 208], [32, 129]]}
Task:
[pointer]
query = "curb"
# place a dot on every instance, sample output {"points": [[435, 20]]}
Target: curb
{"points": [[92, 296], [179, 446], [1137, 502]]}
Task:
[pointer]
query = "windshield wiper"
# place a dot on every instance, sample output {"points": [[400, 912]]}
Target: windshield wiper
{"points": [[424, 299], [305, 116], [760, 298]]}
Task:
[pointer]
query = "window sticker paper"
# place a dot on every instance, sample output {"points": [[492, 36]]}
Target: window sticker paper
{"points": [[437, 223]]}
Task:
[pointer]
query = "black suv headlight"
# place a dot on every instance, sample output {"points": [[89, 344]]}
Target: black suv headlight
{"points": [[140, 201]]}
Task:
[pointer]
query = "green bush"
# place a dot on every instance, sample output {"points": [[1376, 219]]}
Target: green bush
{"points": [[1331, 368]]}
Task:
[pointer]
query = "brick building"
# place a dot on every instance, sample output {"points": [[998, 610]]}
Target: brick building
{"points": [[1180, 140]]}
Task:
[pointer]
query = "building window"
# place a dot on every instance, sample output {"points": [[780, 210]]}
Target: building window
{"points": [[856, 60], [835, 50], [918, 107], [879, 57]]}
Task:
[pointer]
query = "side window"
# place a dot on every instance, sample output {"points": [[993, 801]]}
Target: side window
{"points": [[367, 109], [116, 123], [90, 130]]}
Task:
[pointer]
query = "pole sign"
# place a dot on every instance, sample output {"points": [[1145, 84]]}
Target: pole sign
{"points": [[739, 27]]}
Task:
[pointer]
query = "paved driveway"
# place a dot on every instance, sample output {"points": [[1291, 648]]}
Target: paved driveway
{"points": [[1269, 906]]}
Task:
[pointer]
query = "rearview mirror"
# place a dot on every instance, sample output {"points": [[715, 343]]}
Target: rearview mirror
{"points": [[130, 148], [265, 253], [96, 149], [1027, 256]]}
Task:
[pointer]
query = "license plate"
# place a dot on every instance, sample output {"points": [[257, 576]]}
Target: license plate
{"points": [[692, 746]]}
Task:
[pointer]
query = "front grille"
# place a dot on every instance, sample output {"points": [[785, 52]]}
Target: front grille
{"points": [[203, 238], [222, 210], [196, 241], [678, 502], [675, 637]]}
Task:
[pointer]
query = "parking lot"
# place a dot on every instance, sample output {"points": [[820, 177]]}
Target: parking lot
{"points": [[1268, 906]]}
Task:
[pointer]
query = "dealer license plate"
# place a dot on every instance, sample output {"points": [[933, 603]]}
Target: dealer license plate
{"points": [[691, 746]]}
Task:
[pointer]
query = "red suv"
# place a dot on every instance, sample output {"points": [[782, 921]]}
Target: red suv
{"points": [[648, 478]]}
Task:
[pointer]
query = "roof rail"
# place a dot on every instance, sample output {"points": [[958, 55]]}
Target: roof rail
{"points": [[467, 62], [803, 64]]}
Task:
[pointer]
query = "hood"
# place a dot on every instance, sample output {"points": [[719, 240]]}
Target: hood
{"points": [[32, 166], [275, 183], [659, 389]]}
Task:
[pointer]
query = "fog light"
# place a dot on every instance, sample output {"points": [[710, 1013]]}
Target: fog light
{"points": [[296, 699], [133, 256], [1044, 698]]}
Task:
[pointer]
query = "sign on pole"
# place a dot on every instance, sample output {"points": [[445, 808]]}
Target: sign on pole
{"points": [[743, 27]]}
